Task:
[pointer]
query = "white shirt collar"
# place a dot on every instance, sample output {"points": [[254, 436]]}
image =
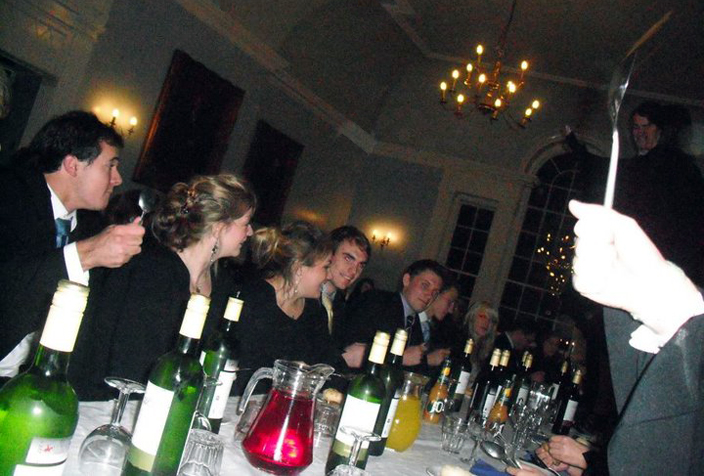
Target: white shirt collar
{"points": [[60, 210]]}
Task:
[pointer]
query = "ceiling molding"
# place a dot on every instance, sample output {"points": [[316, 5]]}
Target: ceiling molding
{"points": [[448, 162]]}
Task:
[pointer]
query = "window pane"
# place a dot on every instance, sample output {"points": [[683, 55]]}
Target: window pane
{"points": [[466, 216], [478, 241], [512, 294], [472, 262], [532, 220], [484, 219], [519, 270], [539, 196], [460, 237], [526, 245]]}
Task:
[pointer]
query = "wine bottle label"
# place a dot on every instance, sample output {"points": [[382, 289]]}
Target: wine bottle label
{"points": [[390, 417], [522, 396], [152, 419], [47, 450], [488, 403], [570, 411], [462, 383], [360, 414], [553, 390], [222, 391], [53, 470]]}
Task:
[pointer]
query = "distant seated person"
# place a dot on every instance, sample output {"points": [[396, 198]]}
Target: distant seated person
{"points": [[548, 358], [362, 286], [388, 311], [134, 312], [481, 322], [518, 338], [282, 316], [444, 333]]}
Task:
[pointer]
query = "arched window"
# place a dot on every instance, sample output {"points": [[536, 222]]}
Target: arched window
{"points": [[529, 293]]}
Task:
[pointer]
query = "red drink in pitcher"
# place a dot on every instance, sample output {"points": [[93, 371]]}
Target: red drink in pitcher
{"points": [[281, 438]]}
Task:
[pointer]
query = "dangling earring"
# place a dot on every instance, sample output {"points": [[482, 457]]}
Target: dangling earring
{"points": [[214, 251], [295, 285]]}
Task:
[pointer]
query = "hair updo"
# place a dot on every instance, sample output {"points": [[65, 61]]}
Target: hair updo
{"points": [[189, 211], [277, 252]]}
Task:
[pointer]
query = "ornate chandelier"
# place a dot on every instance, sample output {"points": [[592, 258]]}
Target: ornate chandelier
{"points": [[483, 84]]}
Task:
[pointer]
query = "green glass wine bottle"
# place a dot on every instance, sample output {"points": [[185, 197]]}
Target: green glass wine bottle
{"points": [[361, 407], [217, 358], [392, 376], [39, 408], [169, 401], [461, 374]]}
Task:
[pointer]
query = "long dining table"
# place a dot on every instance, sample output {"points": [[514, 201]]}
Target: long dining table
{"points": [[425, 452]]}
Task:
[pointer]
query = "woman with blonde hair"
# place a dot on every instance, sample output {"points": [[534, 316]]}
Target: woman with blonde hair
{"points": [[480, 324], [283, 317], [135, 311]]}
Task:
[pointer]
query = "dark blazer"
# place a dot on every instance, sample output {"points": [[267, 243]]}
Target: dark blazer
{"points": [[30, 265], [660, 399], [133, 317]]}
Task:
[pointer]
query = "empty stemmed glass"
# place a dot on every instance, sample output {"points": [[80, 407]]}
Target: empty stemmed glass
{"points": [[104, 449], [360, 437]]}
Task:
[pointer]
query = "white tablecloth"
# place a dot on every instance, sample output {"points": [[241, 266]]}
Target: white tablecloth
{"points": [[424, 453]]}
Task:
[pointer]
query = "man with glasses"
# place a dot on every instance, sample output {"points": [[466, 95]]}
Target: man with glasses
{"points": [[388, 311]]}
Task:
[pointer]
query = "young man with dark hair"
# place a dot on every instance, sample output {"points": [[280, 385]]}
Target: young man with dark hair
{"points": [[388, 311], [351, 253], [50, 202]]}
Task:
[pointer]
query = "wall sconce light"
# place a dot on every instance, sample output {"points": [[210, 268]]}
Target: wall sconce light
{"points": [[383, 242], [132, 122]]}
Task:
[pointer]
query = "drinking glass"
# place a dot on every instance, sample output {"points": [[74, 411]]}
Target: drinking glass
{"points": [[475, 429], [202, 455], [454, 433], [360, 437], [104, 449]]}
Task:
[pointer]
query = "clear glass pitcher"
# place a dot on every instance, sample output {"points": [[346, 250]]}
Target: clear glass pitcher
{"points": [[280, 440], [407, 422]]}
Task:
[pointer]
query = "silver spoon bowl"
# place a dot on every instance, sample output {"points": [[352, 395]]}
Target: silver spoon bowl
{"points": [[148, 201]]}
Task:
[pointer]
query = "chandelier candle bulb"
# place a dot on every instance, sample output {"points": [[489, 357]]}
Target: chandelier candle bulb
{"points": [[443, 92], [460, 101], [480, 50], [468, 81], [455, 76]]}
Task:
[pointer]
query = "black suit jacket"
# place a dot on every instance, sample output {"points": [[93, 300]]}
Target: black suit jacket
{"points": [[382, 311], [660, 399], [30, 265]]}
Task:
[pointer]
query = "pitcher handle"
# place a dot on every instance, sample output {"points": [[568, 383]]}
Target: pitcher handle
{"points": [[264, 372]]}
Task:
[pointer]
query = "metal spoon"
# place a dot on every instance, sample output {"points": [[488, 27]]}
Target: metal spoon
{"points": [[497, 451], [148, 201]]}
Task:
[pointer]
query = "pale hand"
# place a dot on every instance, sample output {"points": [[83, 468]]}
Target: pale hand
{"points": [[112, 247], [436, 357], [568, 450], [413, 355], [354, 355], [617, 265]]}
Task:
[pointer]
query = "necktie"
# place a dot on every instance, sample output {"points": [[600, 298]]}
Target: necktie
{"points": [[327, 304], [425, 327], [63, 228]]}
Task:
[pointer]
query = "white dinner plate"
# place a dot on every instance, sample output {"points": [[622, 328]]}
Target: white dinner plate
{"points": [[527, 464], [435, 470]]}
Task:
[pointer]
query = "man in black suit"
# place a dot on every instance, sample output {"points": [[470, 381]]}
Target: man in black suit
{"points": [[388, 311], [50, 198], [351, 253], [519, 338]]}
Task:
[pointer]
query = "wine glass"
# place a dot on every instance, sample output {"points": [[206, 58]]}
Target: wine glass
{"points": [[104, 449], [478, 433], [360, 437]]}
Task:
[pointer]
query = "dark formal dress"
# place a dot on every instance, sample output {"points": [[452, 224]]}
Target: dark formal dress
{"points": [[30, 264], [266, 333], [660, 398], [133, 317]]}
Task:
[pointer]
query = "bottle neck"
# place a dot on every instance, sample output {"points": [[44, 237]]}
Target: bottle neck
{"points": [[373, 368], [50, 363], [187, 345], [396, 361]]}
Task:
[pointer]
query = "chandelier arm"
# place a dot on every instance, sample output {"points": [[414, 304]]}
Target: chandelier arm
{"points": [[504, 32]]}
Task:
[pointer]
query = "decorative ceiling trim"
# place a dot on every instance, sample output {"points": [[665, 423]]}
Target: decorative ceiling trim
{"points": [[448, 162]]}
